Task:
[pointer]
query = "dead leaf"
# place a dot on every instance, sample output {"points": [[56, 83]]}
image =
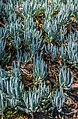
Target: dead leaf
{"points": [[72, 18], [26, 117], [75, 86]]}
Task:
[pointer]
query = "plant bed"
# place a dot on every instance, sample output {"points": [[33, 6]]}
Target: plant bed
{"points": [[38, 59]]}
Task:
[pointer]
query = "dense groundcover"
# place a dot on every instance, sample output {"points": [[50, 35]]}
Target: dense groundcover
{"points": [[38, 59]]}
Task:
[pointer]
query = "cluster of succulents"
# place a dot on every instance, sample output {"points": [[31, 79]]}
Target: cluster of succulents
{"points": [[21, 35], [13, 92], [70, 51]]}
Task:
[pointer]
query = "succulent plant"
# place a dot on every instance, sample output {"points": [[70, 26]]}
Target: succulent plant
{"points": [[59, 99], [51, 50], [4, 57], [36, 43], [65, 78], [70, 52], [2, 46], [40, 68]]}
